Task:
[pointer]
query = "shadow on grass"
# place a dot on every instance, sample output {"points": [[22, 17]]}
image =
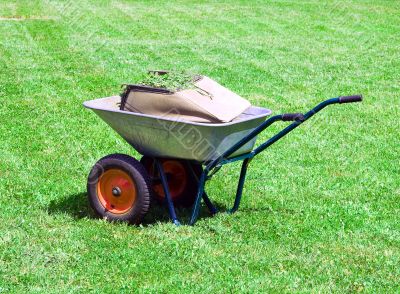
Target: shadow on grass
{"points": [[77, 206], [159, 213]]}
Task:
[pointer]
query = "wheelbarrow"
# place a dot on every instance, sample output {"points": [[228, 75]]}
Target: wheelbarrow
{"points": [[178, 158]]}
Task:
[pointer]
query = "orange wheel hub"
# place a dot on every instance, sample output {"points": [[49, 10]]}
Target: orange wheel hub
{"points": [[116, 191], [176, 176]]}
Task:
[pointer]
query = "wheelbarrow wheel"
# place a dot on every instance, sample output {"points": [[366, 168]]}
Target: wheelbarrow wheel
{"points": [[119, 189], [181, 182]]}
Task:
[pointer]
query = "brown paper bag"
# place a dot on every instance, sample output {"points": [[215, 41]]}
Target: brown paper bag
{"points": [[207, 102]]}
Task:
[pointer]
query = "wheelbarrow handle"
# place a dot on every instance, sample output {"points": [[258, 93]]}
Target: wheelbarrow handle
{"points": [[306, 116], [213, 166], [292, 117], [350, 99], [297, 119]]}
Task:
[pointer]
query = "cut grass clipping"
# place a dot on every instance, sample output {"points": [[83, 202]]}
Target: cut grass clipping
{"points": [[171, 80]]}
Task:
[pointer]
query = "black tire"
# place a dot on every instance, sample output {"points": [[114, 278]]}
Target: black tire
{"points": [[128, 203], [187, 194]]}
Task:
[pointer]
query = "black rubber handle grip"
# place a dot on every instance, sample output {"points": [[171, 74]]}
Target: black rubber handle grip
{"points": [[292, 116], [158, 72], [350, 99]]}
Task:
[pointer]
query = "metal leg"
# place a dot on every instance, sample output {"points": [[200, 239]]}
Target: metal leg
{"points": [[213, 210], [196, 205], [240, 186], [168, 198]]}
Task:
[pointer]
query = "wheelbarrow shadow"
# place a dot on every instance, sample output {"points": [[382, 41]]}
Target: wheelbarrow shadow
{"points": [[77, 206], [159, 213]]}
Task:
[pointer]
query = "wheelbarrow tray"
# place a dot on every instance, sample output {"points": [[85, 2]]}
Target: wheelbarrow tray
{"points": [[164, 137]]}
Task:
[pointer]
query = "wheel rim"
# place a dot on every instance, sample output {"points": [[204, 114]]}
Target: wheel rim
{"points": [[116, 191], [177, 178]]}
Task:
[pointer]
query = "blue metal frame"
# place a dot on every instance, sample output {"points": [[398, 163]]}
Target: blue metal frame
{"points": [[213, 166], [168, 198]]}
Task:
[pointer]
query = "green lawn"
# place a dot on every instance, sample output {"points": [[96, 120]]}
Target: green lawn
{"points": [[320, 210]]}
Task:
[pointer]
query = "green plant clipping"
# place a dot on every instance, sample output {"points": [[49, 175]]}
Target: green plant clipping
{"points": [[173, 80]]}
